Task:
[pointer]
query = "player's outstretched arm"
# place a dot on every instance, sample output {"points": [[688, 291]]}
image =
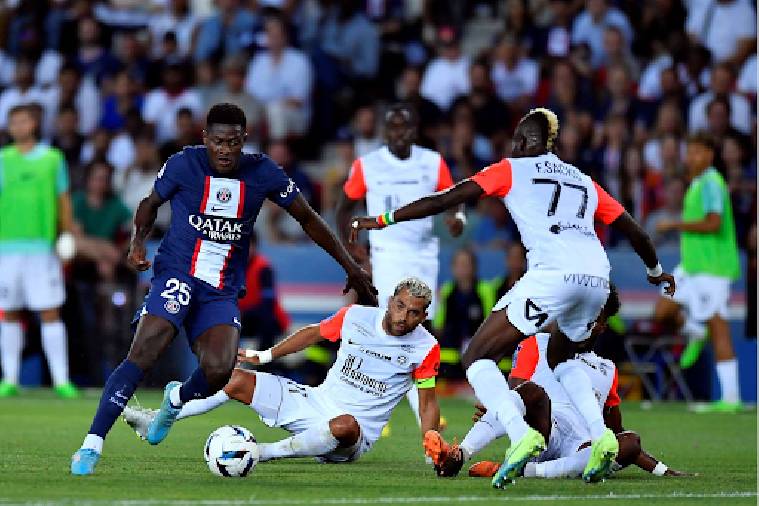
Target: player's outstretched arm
{"points": [[430, 205], [644, 247], [294, 343], [144, 218], [318, 230], [429, 410], [343, 212]]}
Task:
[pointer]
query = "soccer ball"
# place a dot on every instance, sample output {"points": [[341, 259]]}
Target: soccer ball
{"points": [[231, 451]]}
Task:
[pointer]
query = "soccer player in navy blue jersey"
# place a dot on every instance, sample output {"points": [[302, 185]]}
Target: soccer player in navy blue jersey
{"points": [[215, 192]]}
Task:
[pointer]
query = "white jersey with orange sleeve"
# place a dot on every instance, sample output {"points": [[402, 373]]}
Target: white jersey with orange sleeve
{"points": [[374, 370], [387, 183], [554, 206]]}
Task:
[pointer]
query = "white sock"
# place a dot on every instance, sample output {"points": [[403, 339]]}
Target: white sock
{"points": [[486, 430], [174, 397], [564, 467], [491, 389], [200, 406], [314, 441], [11, 346], [694, 330], [413, 400], [727, 372], [55, 347], [579, 389], [93, 442]]}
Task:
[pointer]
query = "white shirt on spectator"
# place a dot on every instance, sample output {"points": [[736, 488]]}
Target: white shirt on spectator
{"points": [[510, 84], [719, 26], [649, 87], [291, 77], [87, 103], [121, 153], [444, 80], [740, 112], [183, 28], [12, 97], [747, 78], [160, 108], [585, 30]]}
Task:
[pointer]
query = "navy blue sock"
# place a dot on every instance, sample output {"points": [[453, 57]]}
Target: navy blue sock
{"points": [[118, 390], [196, 387]]}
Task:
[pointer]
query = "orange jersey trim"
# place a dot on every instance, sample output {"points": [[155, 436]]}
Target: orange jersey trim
{"points": [[525, 359], [613, 398], [608, 208], [331, 328], [444, 179], [355, 185], [495, 179], [429, 366]]}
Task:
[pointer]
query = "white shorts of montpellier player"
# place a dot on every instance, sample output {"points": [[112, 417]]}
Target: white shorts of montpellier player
{"points": [[568, 433], [283, 403], [32, 281], [541, 297], [389, 267], [702, 295]]}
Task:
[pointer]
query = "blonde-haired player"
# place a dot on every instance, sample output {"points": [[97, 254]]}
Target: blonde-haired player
{"points": [[554, 205]]}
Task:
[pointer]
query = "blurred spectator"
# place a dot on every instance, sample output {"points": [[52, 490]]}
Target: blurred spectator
{"points": [[589, 27], [674, 192], [556, 40], [336, 174], [464, 303], [408, 90], [616, 138], [187, 134], [366, 131], [467, 151], [232, 91], [102, 220], [632, 189], [515, 77], [726, 27], [618, 98], [206, 80], [519, 24], [229, 31], [669, 122], [351, 40], [68, 139], [447, 75], [125, 97], [93, 59], [22, 93], [71, 89], [262, 315], [694, 71], [741, 181], [177, 18], [121, 150], [281, 79], [131, 54], [718, 118], [661, 25], [495, 227], [136, 182], [747, 78], [516, 266], [616, 52], [162, 104], [491, 117], [722, 82], [97, 146]]}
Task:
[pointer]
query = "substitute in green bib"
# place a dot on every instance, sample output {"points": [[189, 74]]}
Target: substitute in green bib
{"points": [[35, 212], [709, 264]]}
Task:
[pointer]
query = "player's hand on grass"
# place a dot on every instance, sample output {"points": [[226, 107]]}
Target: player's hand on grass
{"points": [[455, 225], [136, 256], [359, 223], [360, 281], [669, 287]]}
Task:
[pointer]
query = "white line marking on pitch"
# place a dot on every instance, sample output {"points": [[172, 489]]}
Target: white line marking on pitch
{"points": [[379, 500]]}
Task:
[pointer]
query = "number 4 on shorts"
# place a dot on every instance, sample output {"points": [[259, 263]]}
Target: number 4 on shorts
{"points": [[538, 313]]}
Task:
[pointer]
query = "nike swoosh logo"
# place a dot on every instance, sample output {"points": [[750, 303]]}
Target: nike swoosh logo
{"points": [[214, 208]]}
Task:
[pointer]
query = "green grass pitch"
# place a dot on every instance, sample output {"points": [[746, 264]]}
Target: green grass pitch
{"points": [[39, 433]]}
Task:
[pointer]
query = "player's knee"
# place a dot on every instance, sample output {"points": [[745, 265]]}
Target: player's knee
{"points": [[149, 342], [217, 372], [345, 429], [241, 385]]}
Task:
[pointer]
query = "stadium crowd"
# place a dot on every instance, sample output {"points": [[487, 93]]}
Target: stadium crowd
{"points": [[123, 84]]}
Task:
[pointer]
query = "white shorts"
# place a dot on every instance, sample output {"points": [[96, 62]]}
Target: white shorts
{"points": [[388, 269], [568, 433], [31, 281], [539, 298], [702, 295], [281, 402]]}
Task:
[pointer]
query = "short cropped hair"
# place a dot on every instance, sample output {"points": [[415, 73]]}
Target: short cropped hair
{"points": [[226, 114], [416, 288], [702, 139]]}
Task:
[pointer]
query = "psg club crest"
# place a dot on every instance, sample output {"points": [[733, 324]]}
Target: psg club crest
{"points": [[171, 306], [224, 195]]}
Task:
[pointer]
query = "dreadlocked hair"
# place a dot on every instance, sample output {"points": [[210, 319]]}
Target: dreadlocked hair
{"points": [[549, 124]]}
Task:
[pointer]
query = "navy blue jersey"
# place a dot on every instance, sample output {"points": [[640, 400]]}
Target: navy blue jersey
{"points": [[212, 215]]}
